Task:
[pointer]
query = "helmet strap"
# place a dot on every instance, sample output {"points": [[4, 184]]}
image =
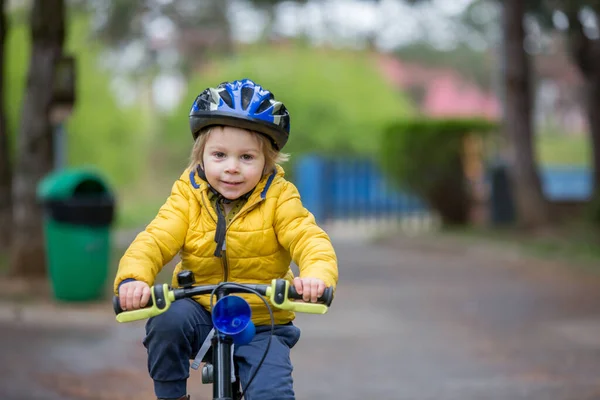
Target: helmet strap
{"points": [[221, 223]]}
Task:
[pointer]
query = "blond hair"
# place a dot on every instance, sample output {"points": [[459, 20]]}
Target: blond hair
{"points": [[272, 155]]}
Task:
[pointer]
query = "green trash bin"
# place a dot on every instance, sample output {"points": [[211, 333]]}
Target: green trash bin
{"points": [[78, 212]]}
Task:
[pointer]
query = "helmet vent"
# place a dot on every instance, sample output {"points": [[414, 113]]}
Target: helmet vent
{"points": [[263, 106], [247, 93], [226, 98]]}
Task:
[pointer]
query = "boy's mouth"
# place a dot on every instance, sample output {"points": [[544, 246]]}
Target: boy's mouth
{"points": [[231, 183]]}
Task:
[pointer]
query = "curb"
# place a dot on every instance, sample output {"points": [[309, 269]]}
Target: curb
{"points": [[57, 315]]}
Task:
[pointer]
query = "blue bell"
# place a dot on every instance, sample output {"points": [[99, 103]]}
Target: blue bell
{"points": [[232, 316]]}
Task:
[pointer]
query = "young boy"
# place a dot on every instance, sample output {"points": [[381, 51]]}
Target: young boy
{"points": [[231, 216]]}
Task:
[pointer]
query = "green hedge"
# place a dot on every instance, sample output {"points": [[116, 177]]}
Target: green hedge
{"points": [[425, 157]]}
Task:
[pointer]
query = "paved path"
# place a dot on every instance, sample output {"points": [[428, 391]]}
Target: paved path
{"points": [[413, 320]]}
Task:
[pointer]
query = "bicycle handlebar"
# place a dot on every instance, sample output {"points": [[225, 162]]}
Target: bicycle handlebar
{"points": [[280, 292]]}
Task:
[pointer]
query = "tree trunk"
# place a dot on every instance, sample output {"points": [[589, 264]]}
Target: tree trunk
{"points": [[5, 156], [35, 143], [586, 55], [532, 208]]}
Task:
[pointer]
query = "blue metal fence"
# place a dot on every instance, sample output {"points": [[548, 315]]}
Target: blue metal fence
{"points": [[567, 183], [351, 188], [345, 188]]}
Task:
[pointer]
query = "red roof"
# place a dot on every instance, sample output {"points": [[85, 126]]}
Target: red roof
{"points": [[446, 93]]}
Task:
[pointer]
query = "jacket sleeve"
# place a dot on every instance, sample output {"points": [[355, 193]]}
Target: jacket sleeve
{"points": [[308, 244], [160, 241]]}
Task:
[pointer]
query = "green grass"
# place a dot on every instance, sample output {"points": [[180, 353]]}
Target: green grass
{"points": [[576, 244], [555, 149]]}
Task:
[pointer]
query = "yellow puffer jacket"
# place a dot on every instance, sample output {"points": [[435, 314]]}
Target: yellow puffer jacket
{"points": [[272, 229]]}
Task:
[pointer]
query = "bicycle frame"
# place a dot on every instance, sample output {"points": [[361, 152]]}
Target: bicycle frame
{"points": [[223, 388], [279, 292]]}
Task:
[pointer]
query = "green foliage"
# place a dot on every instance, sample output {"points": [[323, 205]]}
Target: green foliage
{"points": [[100, 132], [425, 157], [471, 63], [338, 101], [416, 151]]}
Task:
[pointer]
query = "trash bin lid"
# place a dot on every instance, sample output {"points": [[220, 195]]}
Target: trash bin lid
{"points": [[64, 184]]}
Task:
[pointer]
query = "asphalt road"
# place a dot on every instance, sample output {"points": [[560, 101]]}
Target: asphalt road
{"points": [[412, 319]]}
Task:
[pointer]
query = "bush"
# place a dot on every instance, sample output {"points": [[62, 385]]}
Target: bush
{"points": [[425, 157]]}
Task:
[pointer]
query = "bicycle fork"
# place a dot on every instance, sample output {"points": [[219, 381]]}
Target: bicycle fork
{"points": [[223, 375]]}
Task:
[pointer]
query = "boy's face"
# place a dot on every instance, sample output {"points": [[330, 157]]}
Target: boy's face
{"points": [[233, 161]]}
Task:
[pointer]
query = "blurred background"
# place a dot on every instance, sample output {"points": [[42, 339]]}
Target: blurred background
{"points": [[469, 123]]}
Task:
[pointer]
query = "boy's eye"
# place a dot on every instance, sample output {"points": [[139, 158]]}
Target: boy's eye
{"points": [[247, 157]]}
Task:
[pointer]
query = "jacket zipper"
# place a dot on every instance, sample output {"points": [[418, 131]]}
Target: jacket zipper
{"points": [[224, 261], [224, 252]]}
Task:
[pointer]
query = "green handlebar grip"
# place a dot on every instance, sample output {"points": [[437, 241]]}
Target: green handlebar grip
{"points": [[278, 293], [161, 301]]}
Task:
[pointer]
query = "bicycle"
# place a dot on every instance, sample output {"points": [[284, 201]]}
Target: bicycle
{"points": [[231, 323]]}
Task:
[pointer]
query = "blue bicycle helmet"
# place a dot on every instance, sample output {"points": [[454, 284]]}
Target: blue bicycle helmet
{"points": [[242, 104]]}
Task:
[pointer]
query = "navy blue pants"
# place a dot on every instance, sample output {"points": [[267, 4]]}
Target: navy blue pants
{"points": [[174, 338]]}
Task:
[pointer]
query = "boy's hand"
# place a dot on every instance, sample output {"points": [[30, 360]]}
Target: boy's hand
{"points": [[134, 295], [309, 288]]}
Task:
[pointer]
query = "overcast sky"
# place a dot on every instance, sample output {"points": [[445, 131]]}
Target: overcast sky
{"points": [[393, 22]]}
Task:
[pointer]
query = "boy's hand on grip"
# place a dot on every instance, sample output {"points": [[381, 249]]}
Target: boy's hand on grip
{"points": [[134, 295], [310, 288]]}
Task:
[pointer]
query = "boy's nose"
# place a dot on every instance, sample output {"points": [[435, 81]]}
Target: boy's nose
{"points": [[232, 167]]}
